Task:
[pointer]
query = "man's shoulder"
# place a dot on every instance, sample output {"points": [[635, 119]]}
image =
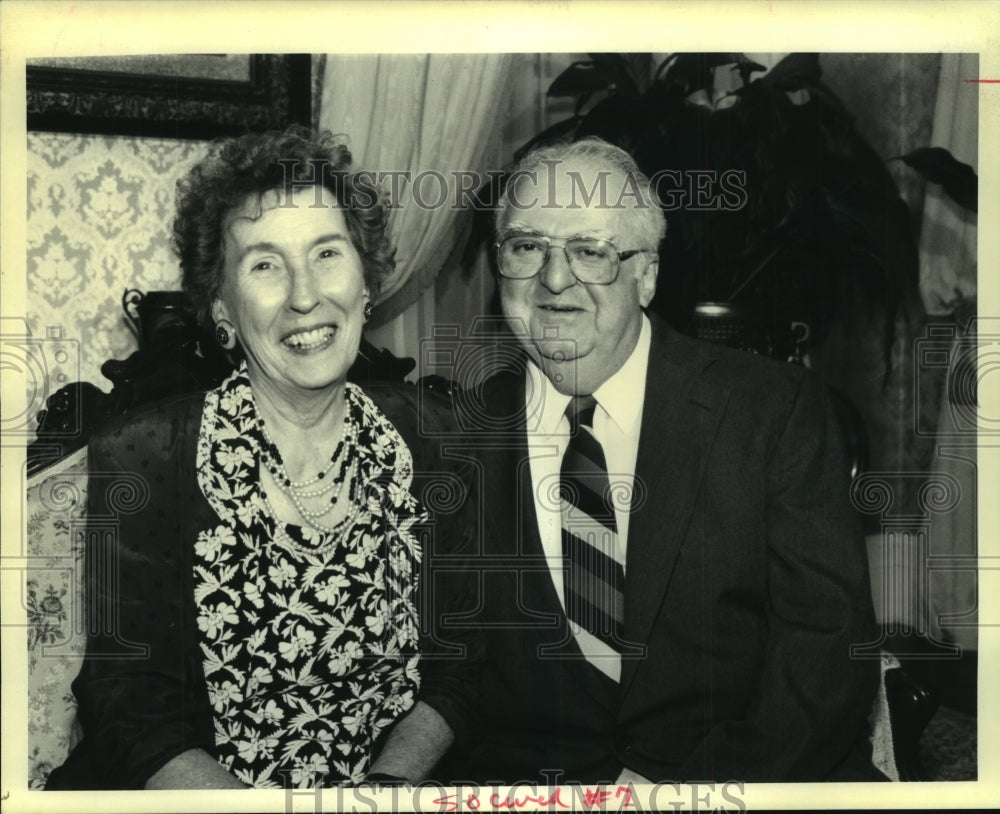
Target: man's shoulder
{"points": [[746, 375]]}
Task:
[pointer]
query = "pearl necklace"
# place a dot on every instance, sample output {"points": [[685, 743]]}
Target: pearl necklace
{"points": [[348, 478], [297, 491], [276, 465], [334, 535], [312, 517]]}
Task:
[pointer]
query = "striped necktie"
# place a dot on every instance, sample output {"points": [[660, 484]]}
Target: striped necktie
{"points": [[594, 576]]}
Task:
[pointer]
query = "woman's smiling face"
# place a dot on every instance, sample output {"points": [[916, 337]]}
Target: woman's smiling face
{"points": [[293, 287]]}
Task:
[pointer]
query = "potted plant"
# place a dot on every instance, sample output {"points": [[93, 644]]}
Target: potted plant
{"points": [[774, 201]]}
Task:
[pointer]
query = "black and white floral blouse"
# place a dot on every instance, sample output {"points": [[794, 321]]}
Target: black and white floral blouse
{"points": [[310, 646], [208, 634]]}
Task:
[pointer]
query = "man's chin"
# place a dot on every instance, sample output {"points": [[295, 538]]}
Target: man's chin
{"points": [[557, 351], [560, 370]]}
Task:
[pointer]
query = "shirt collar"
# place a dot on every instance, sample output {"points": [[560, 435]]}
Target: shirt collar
{"points": [[620, 396]]}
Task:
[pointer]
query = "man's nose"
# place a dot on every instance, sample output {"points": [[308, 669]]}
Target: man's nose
{"points": [[303, 294], [555, 274]]}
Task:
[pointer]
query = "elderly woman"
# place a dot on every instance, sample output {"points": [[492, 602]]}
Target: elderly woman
{"points": [[258, 625]]}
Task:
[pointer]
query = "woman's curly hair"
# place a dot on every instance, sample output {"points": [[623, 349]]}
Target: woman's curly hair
{"points": [[245, 168]]}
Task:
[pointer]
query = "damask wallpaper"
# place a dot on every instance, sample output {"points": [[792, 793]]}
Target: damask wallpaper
{"points": [[99, 215]]}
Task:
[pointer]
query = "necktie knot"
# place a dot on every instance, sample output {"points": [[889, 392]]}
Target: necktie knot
{"points": [[580, 410]]}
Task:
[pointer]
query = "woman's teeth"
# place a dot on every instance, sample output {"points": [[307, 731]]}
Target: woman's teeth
{"points": [[307, 340]]}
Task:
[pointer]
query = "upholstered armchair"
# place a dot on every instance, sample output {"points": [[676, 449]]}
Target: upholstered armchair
{"points": [[56, 512]]}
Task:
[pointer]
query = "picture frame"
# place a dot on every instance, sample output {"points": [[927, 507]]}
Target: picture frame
{"points": [[185, 97]]}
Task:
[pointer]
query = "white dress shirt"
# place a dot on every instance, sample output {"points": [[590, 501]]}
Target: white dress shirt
{"points": [[617, 420]]}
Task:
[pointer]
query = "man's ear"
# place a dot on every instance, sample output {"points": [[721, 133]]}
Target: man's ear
{"points": [[646, 282]]}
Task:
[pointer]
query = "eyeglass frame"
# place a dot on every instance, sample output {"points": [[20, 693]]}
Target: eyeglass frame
{"points": [[621, 256]]}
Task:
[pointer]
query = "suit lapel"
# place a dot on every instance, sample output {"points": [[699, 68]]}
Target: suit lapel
{"points": [[679, 419]]}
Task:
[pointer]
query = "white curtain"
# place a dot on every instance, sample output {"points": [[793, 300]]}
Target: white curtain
{"points": [[948, 287], [429, 115]]}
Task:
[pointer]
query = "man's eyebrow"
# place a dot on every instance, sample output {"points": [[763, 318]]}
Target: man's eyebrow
{"points": [[514, 228], [265, 246]]}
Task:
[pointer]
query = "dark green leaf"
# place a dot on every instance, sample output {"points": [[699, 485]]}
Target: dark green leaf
{"points": [[959, 181], [746, 67], [626, 73], [794, 72], [640, 69], [611, 62], [580, 77], [693, 71]]}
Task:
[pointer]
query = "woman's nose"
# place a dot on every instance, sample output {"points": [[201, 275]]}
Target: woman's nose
{"points": [[304, 293]]}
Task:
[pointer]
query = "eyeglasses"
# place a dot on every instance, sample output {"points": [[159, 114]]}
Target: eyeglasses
{"points": [[592, 260]]}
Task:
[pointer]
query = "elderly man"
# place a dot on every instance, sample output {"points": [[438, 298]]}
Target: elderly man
{"points": [[672, 575]]}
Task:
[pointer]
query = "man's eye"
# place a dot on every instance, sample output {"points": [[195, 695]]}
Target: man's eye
{"points": [[591, 252], [262, 265], [526, 246], [326, 254]]}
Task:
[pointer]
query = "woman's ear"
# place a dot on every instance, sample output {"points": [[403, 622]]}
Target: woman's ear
{"points": [[219, 310]]}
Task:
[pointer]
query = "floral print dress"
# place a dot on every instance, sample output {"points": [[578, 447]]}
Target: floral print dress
{"points": [[309, 640]]}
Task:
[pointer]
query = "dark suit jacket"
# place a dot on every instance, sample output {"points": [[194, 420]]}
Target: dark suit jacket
{"points": [[746, 585]]}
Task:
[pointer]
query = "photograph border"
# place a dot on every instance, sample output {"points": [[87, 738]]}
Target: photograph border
{"points": [[31, 29]]}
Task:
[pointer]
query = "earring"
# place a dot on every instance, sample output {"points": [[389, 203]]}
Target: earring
{"points": [[225, 334], [368, 311]]}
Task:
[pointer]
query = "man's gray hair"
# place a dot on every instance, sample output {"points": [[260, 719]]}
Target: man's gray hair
{"points": [[649, 214]]}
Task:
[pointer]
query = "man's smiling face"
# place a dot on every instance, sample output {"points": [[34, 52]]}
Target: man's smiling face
{"points": [[579, 334]]}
